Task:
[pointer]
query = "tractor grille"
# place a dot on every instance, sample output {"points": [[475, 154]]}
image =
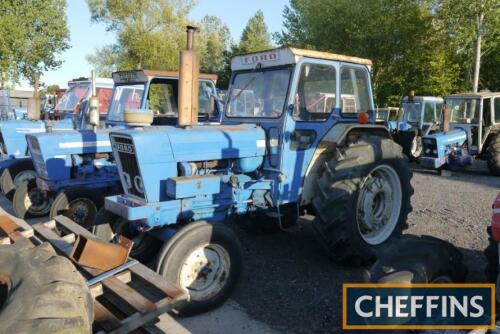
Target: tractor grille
{"points": [[124, 151], [430, 147]]}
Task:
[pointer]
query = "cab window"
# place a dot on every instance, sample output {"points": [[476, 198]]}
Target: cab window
{"points": [[496, 105], [316, 92], [104, 97], [162, 97], [487, 112], [354, 90], [429, 112]]}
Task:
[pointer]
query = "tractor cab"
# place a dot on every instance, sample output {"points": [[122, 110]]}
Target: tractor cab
{"points": [[386, 115], [161, 97], [6, 110], [422, 113]]}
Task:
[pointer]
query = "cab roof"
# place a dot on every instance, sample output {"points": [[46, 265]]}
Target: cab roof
{"points": [[472, 95], [424, 98], [99, 81], [287, 56], [146, 75]]}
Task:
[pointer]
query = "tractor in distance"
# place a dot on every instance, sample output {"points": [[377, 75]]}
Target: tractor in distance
{"points": [[418, 116], [76, 170], [471, 130], [295, 135], [16, 165]]}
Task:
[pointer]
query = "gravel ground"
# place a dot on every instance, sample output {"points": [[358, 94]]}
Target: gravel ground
{"points": [[289, 285]]}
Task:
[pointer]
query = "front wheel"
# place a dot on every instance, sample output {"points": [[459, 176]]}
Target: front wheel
{"points": [[204, 259], [29, 201], [79, 205], [493, 156], [14, 175], [416, 148], [362, 199]]}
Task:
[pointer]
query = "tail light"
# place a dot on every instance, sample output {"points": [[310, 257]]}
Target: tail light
{"points": [[495, 220]]}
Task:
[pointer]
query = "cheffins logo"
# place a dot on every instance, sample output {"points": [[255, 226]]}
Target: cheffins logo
{"points": [[418, 306]]}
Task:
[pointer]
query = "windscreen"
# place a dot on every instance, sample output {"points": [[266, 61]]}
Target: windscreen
{"points": [[125, 97], [463, 111], [412, 111], [73, 96], [258, 94]]}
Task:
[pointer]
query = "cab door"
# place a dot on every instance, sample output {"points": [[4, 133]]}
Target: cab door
{"points": [[322, 94]]}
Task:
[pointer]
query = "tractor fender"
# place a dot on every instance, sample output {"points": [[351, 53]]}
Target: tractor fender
{"points": [[339, 135]]}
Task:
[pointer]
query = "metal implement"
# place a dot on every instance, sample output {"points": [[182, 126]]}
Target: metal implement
{"points": [[111, 272], [98, 254]]}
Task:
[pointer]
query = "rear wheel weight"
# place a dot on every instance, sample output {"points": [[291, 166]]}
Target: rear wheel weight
{"points": [[204, 259], [29, 201], [363, 199]]}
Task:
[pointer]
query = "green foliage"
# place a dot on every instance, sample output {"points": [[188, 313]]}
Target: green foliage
{"points": [[255, 36], [33, 34], [415, 44]]}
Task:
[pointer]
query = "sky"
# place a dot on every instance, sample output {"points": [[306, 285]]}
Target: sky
{"points": [[87, 36]]}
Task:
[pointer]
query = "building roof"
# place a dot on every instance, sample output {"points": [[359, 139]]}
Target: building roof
{"points": [[145, 75], [286, 56]]}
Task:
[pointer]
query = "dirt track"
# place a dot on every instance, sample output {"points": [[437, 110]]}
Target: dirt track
{"points": [[292, 287]]}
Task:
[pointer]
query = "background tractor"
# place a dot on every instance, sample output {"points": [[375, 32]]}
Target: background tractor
{"points": [[15, 162], [471, 127], [419, 116], [294, 136], [76, 170]]}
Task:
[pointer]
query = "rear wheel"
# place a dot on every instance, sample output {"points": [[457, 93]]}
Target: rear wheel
{"points": [[80, 205], [493, 156], [363, 199], [206, 260], [109, 227], [29, 201], [14, 175]]}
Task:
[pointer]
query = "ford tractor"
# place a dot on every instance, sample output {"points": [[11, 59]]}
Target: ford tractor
{"points": [[419, 116], [16, 163], [471, 130], [294, 135], [76, 170]]}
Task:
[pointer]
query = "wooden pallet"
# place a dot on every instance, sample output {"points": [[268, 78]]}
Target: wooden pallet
{"points": [[130, 300]]}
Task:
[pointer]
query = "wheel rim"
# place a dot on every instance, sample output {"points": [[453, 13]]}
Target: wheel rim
{"points": [[379, 204], [205, 271], [37, 202], [416, 147], [141, 242], [442, 280], [82, 211], [24, 175]]}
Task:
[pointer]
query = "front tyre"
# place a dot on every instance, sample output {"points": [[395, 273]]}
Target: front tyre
{"points": [[14, 175], [79, 204], [493, 156], [29, 201], [204, 259], [362, 199]]}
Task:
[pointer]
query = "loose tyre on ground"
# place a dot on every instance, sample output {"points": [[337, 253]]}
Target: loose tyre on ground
{"points": [[29, 201], [14, 175], [362, 199], [493, 156], [41, 292], [78, 204]]}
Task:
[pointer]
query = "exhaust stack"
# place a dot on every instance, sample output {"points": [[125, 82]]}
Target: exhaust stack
{"points": [[189, 79]]}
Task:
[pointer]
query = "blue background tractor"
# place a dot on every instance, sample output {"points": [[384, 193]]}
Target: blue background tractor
{"points": [[16, 164], [472, 131], [289, 140], [76, 170]]}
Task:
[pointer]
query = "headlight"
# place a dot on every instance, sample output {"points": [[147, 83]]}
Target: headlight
{"points": [[427, 151], [434, 151]]}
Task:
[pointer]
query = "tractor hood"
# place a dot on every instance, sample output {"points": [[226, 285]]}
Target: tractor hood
{"points": [[13, 132], [52, 152], [149, 156], [455, 136]]}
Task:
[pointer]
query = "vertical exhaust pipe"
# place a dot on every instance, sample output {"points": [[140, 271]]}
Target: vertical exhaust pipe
{"points": [[189, 78], [445, 117]]}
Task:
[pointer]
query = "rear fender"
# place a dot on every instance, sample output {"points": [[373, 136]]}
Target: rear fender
{"points": [[340, 135]]}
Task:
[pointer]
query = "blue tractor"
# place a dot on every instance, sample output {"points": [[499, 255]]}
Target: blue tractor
{"points": [[419, 116], [76, 170], [16, 165], [471, 130], [294, 136]]}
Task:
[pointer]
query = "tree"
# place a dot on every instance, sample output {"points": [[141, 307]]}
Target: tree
{"points": [[34, 33], [255, 36], [474, 27], [400, 37]]}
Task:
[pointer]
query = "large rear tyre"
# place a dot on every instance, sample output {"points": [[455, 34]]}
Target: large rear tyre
{"points": [[362, 199], [493, 156], [109, 227], [78, 204], [29, 201], [14, 175], [41, 292], [206, 260]]}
